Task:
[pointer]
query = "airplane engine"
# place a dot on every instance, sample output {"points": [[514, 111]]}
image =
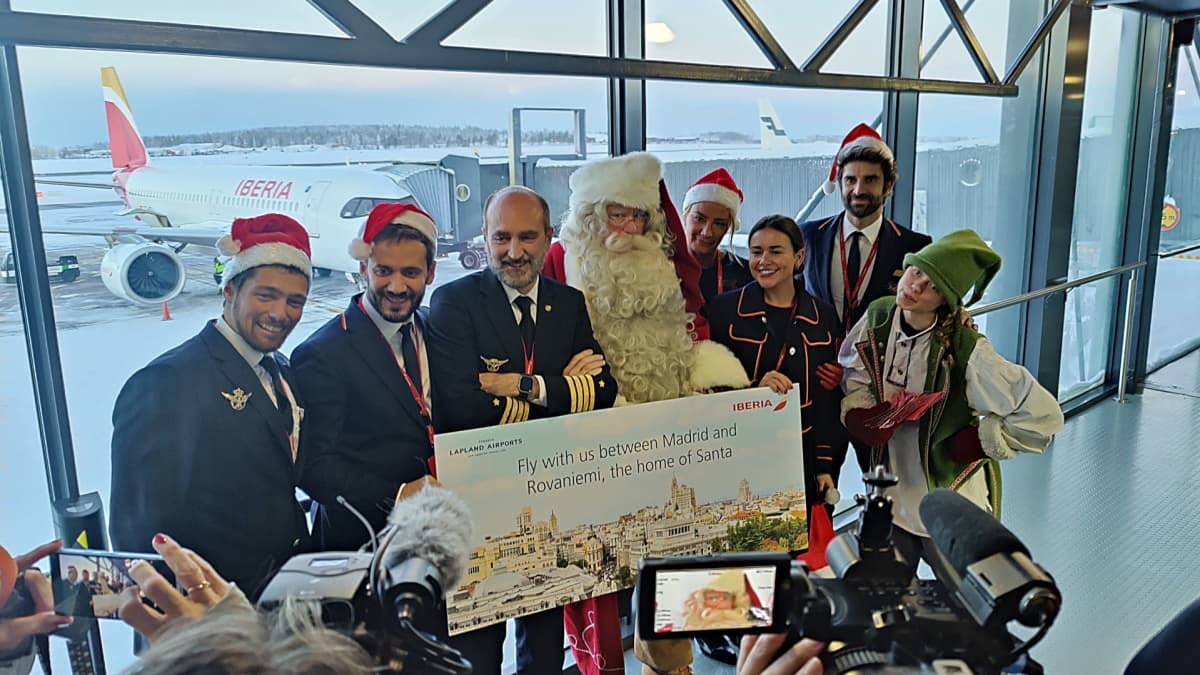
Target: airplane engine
{"points": [[143, 272]]}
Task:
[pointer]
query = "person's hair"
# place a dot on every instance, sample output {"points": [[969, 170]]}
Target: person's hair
{"points": [[779, 223], [943, 332], [233, 639], [242, 277], [487, 204], [862, 153], [400, 232]]}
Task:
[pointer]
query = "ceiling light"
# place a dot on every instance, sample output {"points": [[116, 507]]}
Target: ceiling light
{"points": [[659, 33]]}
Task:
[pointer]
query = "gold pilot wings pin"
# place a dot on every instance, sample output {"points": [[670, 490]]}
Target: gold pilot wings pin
{"points": [[237, 400], [493, 365]]}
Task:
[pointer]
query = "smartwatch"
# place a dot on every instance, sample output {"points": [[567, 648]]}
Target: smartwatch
{"points": [[525, 386]]}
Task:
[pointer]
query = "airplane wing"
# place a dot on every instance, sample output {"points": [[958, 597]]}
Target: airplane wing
{"points": [[72, 183], [202, 234]]}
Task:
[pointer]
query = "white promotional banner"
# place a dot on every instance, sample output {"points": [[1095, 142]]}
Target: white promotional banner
{"points": [[565, 507]]}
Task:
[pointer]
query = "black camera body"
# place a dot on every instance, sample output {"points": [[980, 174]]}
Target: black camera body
{"points": [[874, 616]]}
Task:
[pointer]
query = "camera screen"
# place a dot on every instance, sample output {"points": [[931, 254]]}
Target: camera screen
{"points": [[89, 585], [716, 599]]}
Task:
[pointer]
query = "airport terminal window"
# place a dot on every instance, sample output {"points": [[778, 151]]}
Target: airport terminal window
{"points": [[974, 152], [860, 54], [1174, 332], [1101, 190], [577, 27]]}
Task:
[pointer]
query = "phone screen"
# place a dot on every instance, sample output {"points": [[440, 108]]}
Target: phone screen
{"points": [[89, 583], [714, 599]]}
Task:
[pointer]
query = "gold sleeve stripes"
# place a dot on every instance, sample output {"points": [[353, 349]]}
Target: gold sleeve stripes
{"points": [[515, 410], [583, 392]]}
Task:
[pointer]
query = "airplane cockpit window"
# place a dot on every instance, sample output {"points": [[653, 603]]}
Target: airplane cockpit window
{"points": [[361, 206]]}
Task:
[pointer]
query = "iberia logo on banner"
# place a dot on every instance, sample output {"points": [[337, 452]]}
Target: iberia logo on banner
{"points": [[765, 403]]}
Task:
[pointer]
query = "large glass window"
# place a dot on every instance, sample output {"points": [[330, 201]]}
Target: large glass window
{"points": [[1101, 192], [974, 154], [1172, 331], [210, 126]]}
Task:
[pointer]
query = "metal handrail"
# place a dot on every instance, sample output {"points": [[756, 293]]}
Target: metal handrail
{"points": [[1050, 290], [1178, 251]]}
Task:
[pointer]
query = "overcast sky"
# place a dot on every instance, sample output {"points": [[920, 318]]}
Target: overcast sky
{"points": [[174, 94]]}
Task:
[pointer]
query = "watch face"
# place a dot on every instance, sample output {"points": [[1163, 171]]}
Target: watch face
{"points": [[526, 384]]}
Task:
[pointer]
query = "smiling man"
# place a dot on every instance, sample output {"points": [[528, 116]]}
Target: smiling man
{"points": [[205, 437], [365, 378]]}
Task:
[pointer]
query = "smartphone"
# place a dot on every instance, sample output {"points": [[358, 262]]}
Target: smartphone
{"points": [[88, 583], [734, 593]]}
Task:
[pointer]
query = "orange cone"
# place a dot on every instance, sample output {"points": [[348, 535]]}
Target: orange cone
{"points": [[166, 313]]}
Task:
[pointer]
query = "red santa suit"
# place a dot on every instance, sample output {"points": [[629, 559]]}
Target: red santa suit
{"points": [[645, 304]]}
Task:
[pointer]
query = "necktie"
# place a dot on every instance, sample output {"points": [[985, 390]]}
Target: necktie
{"points": [[853, 265], [525, 304], [281, 401], [408, 351]]}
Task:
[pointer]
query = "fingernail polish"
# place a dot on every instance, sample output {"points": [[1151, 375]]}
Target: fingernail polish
{"points": [[160, 538]]}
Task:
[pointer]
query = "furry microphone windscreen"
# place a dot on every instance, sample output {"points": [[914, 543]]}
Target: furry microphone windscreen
{"points": [[963, 532], [433, 525]]}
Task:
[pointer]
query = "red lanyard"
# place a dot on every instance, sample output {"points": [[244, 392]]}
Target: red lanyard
{"points": [[528, 352], [417, 395], [851, 294], [720, 271]]}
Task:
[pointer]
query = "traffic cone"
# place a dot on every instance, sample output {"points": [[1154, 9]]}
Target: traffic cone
{"points": [[166, 313]]}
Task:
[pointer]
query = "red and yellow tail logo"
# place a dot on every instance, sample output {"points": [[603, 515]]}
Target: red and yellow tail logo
{"points": [[124, 141]]}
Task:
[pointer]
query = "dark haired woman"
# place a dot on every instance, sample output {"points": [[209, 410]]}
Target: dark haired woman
{"points": [[781, 334]]}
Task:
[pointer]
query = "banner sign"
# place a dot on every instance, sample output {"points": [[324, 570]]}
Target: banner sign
{"points": [[565, 507]]}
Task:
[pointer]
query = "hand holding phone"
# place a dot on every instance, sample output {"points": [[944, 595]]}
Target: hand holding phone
{"points": [[200, 587], [88, 583], [28, 611]]}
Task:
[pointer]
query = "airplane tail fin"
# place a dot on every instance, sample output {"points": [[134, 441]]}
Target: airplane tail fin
{"points": [[770, 129], [124, 141]]}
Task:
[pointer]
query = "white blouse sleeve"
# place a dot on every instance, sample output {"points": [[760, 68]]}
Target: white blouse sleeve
{"points": [[1018, 414], [855, 380]]}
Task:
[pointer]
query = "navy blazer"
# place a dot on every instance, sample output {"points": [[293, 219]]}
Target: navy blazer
{"points": [[738, 320], [821, 237], [190, 462], [365, 435], [735, 273], [473, 330]]}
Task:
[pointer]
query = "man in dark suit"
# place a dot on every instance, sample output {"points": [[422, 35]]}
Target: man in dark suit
{"points": [[205, 437], [857, 256], [507, 345], [365, 378]]}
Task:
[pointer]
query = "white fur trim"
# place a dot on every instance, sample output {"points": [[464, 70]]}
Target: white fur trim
{"points": [[630, 180], [421, 224], [829, 187], [869, 142], [228, 245], [359, 249], [716, 366], [712, 192], [274, 253], [991, 438]]}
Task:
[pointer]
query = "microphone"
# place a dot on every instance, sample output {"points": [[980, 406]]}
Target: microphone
{"points": [[993, 575], [425, 555]]}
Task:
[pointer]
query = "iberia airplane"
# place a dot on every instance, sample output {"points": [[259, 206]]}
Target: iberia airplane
{"points": [[195, 205]]}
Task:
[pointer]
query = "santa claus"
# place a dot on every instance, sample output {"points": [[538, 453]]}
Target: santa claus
{"points": [[623, 245]]}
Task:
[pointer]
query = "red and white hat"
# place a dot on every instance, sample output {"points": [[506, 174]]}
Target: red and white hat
{"points": [[716, 186], [392, 213], [269, 239], [861, 136]]}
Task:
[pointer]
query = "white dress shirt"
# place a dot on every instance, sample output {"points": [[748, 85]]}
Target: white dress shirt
{"points": [[837, 283]]}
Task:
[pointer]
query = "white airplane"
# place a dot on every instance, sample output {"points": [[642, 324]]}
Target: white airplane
{"points": [[196, 205]]}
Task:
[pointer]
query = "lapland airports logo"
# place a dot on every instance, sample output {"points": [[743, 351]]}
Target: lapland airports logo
{"points": [[742, 406], [486, 446]]}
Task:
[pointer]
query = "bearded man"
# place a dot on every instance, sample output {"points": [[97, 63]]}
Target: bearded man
{"points": [[623, 245]]}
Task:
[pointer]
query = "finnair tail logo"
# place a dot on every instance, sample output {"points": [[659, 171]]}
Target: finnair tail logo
{"points": [[769, 123]]}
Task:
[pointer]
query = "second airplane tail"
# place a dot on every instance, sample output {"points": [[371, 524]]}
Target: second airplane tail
{"points": [[770, 129], [124, 141]]}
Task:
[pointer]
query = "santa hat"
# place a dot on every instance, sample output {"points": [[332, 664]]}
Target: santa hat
{"points": [[861, 136], [392, 214], [629, 180], [269, 239], [956, 264], [716, 186]]}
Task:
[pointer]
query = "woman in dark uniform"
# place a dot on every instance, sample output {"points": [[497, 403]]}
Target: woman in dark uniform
{"points": [[781, 334]]}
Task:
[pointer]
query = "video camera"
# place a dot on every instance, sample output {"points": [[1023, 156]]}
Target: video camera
{"points": [[391, 599], [874, 616]]}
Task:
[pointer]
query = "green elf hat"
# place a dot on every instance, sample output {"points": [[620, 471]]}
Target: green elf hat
{"points": [[957, 263]]}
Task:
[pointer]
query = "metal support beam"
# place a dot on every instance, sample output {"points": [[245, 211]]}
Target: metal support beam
{"points": [[33, 285], [48, 30], [350, 19], [443, 24], [1031, 47], [626, 97], [762, 36], [1187, 53], [826, 49], [905, 19], [974, 48], [1153, 113], [1054, 192]]}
